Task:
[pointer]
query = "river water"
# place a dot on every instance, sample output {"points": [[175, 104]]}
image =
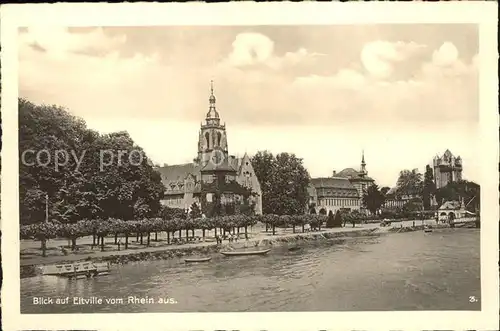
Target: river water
{"points": [[406, 271]]}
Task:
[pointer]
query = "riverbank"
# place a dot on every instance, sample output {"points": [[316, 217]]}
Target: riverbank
{"points": [[29, 267]]}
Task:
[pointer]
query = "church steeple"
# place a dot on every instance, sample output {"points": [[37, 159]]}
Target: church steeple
{"points": [[212, 115], [212, 136]]}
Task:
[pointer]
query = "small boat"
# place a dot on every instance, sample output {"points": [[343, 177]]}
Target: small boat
{"points": [[427, 230], [200, 259], [294, 248], [243, 253], [74, 270]]}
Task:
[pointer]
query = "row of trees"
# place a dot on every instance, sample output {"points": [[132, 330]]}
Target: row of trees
{"points": [[100, 229], [79, 173]]}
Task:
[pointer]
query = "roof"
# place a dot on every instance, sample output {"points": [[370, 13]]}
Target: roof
{"points": [[226, 165], [392, 191], [178, 172], [332, 182], [177, 190], [333, 187], [235, 162], [354, 174], [447, 154], [450, 205], [348, 172]]}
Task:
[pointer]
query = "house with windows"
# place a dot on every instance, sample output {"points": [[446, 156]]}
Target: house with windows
{"points": [[342, 191]]}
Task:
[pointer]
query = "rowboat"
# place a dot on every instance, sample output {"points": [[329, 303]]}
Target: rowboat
{"points": [[427, 230], [73, 270], [243, 253], [294, 248], [200, 259]]}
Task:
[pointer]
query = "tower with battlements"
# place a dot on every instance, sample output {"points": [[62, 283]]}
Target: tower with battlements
{"points": [[447, 169]]}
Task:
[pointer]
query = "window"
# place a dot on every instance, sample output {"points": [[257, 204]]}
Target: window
{"points": [[207, 138]]}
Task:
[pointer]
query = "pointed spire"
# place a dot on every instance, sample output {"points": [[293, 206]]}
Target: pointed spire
{"points": [[363, 163], [212, 114], [212, 96]]}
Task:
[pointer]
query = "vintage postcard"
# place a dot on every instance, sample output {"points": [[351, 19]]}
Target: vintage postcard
{"points": [[250, 166]]}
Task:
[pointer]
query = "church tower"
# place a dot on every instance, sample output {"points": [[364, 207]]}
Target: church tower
{"points": [[212, 136]]}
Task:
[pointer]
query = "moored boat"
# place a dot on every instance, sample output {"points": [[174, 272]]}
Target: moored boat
{"points": [[200, 259], [294, 248], [243, 253], [73, 270]]}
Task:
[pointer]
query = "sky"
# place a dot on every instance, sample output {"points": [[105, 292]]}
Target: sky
{"points": [[400, 93]]}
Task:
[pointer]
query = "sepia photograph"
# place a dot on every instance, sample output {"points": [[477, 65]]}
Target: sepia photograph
{"points": [[250, 168]]}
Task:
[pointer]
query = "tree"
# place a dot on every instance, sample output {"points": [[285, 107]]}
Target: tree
{"points": [[46, 133], [413, 205], [373, 199], [72, 174], [409, 182], [284, 181], [263, 164], [334, 221], [429, 187], [195, 211], [456, 191]]}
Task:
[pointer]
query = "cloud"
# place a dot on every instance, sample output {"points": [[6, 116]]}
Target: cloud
{"points": [[248, 93], [447, 64], [378, 57], [444, 88], [344, 79], [88, 85], [58, 42], [251, 49], [446, 55]]}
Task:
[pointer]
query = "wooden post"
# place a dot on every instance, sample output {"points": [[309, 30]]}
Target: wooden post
{"points": [[46, 207]]}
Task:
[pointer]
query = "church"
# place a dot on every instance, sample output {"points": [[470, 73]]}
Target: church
{"points": [[214, 174]]}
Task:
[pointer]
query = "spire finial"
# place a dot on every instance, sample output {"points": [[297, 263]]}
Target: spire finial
{"points": [[363, 163], [212, 87]]}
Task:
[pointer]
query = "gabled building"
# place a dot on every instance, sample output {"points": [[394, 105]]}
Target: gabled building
{"points": [[186, 184], [359, 179], [451, 210], [342, 191]]}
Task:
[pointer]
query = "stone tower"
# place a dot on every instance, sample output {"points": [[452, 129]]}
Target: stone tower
{"points": [[447, 169], [212, 136]]}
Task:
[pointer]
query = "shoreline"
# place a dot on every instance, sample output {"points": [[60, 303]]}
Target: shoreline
{"points": [[206, 248]]}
